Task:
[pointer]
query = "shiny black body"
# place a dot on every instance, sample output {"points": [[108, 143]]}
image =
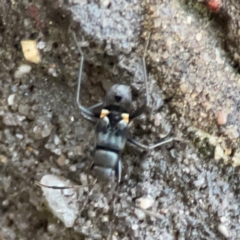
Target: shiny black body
{"points": [[112, 124], [111, 133]]}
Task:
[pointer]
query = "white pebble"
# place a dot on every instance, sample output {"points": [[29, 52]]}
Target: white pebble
{"points": [[73, 168], [105, 3], [145, 202], [11, 99], [21, 118], [57, 151], [91, 214], [218, 153], [135, 227], [22, 70], [19, 136], [63, 203], [223, 230], [189, 20], [41, 45], [53, 72], [105, 218], [56, 140], [199, 182], [199, 37], [140, 214]]}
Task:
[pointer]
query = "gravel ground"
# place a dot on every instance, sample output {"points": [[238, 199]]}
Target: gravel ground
{"points": [[193, 78]]}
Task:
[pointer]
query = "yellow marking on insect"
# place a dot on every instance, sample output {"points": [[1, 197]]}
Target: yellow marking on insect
{"points": [[104, 113], [125, 117]]}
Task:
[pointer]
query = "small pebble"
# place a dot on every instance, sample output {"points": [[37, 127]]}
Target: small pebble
{"points": [[157, 119], [52, 228], [105, 3], [3, 159], [145, 202], [199, 182], [5, 203], [53, 72], [184, 87], [222, 117], [140, 214], [135, 227], [56, 140], [157, 22], [19, 136], [9, 120], [11, 99], [23, 109], [73, 168], [164, 211], [105, 218], [223, 219], [14, 88], [114, 237], [199, 37], [78, 150], [27, 23], [232, 132], [63, 204], [22, 70], [228, 151], [57, 151], [20, 118], [42, 128], [224, 230], [61, 161], [91, 214], [236, 159], [41, 45], [218, 153]]}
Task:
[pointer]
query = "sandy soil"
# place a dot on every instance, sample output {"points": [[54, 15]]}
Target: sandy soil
{"points": [[193, 77]]}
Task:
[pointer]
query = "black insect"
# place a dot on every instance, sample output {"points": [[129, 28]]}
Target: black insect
{"points": [[111, 133], [112, 123]]}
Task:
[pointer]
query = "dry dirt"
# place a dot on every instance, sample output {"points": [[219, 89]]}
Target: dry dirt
{"points": [[193, 77]]}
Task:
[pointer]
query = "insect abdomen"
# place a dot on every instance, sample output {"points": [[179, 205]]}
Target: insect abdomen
{"points": [[110, 140], [107, 164]]}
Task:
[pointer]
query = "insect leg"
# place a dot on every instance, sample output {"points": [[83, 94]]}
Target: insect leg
{"points": [[149, 147], [138, 112], [96, 105], [86, 112], [119, 170]]}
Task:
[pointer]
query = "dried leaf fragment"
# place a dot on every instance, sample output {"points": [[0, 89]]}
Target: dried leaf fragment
{"points": [[30, 51]]}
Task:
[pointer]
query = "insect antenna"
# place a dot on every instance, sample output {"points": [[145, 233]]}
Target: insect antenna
{"points": [[86, 112], [64, 187], [145, 70]]}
